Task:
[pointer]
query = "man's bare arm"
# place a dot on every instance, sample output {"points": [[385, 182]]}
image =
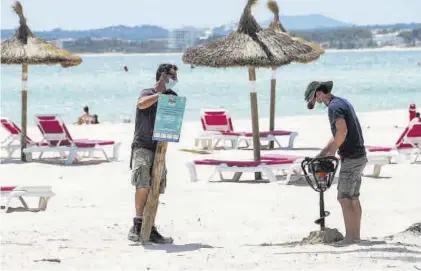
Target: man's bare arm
{"points": [[147, 101], [341, 131], [335, 142]]}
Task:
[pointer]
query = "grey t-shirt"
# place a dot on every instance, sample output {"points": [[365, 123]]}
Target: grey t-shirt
{"points": [[145, 122], [353, 146]]}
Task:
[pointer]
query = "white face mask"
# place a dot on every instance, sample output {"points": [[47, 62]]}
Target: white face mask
{"points": [[171, 83]]}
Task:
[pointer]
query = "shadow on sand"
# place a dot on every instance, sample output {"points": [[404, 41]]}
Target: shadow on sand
{"points": [[20, 209], [175, 248], [57, 162], [364, 246]]}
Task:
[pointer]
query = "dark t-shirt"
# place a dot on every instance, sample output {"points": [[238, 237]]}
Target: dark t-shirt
{"points": [[353, 146], [145, 122]]}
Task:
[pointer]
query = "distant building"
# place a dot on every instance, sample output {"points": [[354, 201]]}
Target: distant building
{"points": [[61, 43], [181, 39], [388, 39]]}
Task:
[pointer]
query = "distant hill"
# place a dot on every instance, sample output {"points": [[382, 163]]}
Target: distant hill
{"points": [[148, 32], [299, 22], [143, 32]]}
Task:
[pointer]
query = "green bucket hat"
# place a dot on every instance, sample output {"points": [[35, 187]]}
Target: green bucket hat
{"points": [[314, 86]]}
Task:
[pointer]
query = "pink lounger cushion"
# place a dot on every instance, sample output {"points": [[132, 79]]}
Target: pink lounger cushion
{"points": [[87, 143], [262, 134], [233, 163], [281, 157], [222, 120], [378, 149], [232, 133], [13, 129], [7, 188]]}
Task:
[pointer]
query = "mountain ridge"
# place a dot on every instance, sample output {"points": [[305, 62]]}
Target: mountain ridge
{"points": [[148, 32]]}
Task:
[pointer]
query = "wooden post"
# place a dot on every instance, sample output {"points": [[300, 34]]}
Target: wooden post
{"points": [[272, 105], [153, 196], [254, 119], [24, 110]]}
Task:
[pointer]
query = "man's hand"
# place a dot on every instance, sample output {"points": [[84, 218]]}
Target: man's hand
{"points": [[160, 85], [326, 151]]}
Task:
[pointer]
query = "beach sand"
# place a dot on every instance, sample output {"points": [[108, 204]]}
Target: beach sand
{"points": [[215, 225]]}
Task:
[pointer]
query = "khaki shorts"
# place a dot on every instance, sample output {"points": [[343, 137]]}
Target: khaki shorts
{"points": [[142, 162], [349, 183]]}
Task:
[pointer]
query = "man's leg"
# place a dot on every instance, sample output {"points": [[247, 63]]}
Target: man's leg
{"points": [[360, 166], [346, 188], [141, 196], [140, 178], [349, 217], [358, 210], [156, 237], [348, 195]]}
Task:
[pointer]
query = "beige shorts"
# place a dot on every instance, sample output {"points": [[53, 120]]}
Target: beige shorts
{"points": [[142, 162], [349, 183]]}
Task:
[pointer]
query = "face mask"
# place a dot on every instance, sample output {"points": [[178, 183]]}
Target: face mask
{"points": [[171, 83], [320, 106]]}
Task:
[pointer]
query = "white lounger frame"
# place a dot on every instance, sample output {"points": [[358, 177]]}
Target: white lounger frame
{"points": [[211, 139], [43, 192], [268, 170], [248, 140], [72, 150], [9, 147]]}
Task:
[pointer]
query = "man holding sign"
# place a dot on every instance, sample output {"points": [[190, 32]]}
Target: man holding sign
{"points": [[143, 148]]}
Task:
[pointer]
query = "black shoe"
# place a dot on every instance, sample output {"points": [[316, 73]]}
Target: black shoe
{"points": [[157, 238], [134, 233]]}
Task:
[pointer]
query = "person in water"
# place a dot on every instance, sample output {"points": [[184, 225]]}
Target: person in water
{"points": [[94, 119], [85, 118]]}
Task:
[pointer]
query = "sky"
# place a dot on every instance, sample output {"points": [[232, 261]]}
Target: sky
{"points": [[88, 14]]}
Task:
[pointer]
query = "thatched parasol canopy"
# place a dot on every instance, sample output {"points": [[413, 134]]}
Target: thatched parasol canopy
{"points": [[299, 49], [24, 47], [241, 48]]}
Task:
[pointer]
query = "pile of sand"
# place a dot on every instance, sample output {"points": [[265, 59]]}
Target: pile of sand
{"points": [[326, 236]]}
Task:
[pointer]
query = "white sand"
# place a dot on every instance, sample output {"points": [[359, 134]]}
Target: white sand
{"points": [[214, 225]]}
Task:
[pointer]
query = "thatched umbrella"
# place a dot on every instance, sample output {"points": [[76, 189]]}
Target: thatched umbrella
{"points": [[244, 47], [24, 48], [303, 52]]}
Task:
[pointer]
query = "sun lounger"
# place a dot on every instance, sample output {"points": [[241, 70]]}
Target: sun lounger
{"points": [[44, 193], [268, 167], [58, 139], [375, 160], [408, 145], [217, 127], [12, 142]]}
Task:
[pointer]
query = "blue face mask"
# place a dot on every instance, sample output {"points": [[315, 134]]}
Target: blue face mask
{"points": [[171, 83]]}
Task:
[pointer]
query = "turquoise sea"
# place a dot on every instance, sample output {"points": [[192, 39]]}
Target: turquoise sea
{"points": [[371, 80]]}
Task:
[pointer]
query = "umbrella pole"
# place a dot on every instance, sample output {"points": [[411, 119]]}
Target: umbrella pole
{"points": [[24, 110], [254, 119], [272, 105]]}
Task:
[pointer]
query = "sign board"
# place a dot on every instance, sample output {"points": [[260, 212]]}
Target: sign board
{"points": [[169, 118]]}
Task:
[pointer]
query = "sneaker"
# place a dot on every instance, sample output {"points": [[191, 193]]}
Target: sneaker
{"points": [[157, 238], [134, 233]]}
